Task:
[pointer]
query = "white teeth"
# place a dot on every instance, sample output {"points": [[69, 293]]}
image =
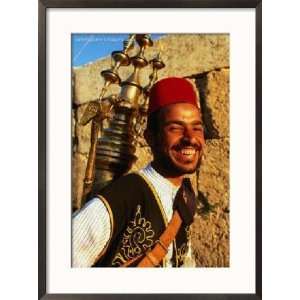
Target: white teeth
{"points": [[188, 151]]}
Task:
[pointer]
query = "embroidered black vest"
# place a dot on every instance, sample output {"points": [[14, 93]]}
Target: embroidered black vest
{"points": [[138, 220]]}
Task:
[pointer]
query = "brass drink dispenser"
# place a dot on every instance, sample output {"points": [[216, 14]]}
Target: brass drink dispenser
{"points": [[112, 154]]}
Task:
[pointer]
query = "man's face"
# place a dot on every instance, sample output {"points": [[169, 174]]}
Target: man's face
{"points": [[178, 145]]}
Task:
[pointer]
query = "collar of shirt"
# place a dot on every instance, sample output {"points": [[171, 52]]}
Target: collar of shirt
{"points": [[163, 187]]}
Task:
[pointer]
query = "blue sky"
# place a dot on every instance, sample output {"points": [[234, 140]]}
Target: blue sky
{"points": [[87, 48]]}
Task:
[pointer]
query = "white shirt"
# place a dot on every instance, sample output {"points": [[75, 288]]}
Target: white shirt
{"points": [[92, 225], [166, 192]]}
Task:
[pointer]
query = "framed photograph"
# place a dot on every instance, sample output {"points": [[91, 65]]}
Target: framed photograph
{"points": [[103, 66]]}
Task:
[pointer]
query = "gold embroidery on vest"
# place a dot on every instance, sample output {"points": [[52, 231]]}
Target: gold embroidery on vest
{"points": [[182, 251], [188, 232], [158, 201], [137, 239]]}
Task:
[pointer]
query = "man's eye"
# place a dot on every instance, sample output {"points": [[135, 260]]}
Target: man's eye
{"points": [[198, 128], [175, 128]]}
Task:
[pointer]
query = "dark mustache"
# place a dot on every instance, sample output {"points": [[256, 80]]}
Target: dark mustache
{"points": [[184, 144]]}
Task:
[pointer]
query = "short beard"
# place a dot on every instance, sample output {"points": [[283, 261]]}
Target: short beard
{"points": [[166, 166]]}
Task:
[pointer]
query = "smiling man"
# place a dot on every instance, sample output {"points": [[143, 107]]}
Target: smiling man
{"points": [[143, 218]]}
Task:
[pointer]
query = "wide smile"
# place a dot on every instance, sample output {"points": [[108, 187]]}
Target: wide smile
{"points": [[186, 153]]}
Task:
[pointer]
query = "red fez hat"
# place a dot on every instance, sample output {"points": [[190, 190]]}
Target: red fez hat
{"points": [[169, 91]]}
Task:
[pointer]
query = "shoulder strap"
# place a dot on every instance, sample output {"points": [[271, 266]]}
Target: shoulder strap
{"points": [[153, 257]]}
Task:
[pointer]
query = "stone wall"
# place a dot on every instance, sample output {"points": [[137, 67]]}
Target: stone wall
{"points": [[204, 59]]}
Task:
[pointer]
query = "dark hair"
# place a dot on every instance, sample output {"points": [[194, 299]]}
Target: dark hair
{"points": [[153, 121]]}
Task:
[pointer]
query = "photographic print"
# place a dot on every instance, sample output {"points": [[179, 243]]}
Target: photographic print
{"points": [[117, 79]]}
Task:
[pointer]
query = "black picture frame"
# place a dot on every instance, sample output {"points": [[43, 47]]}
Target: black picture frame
{"points": [[42, 120]]}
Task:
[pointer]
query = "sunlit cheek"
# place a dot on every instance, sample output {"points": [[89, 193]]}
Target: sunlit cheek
{"points": [[201, 139]]}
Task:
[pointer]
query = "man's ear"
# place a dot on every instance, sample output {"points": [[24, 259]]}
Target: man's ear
{"points": [[149, 137]]}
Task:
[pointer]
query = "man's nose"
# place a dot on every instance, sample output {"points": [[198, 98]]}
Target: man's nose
{"points": [[192, 137], [188, 135]]}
